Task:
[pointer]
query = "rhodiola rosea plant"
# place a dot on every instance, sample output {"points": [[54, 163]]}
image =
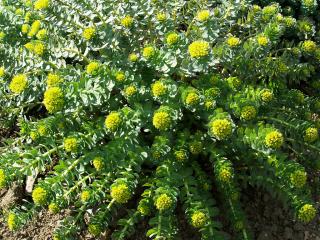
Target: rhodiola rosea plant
{"points": [[124, 105]]}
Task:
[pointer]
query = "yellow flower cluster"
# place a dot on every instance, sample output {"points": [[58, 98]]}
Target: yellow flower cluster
{"points": [[225, 175], [199, 49], [93, 67], [85, 196], [298, 178], [39, 196], [94, 229], [130, 91], [35, 27], [2, 72], [266, 95], [18, 83], [158, 89], [2, 179], [307, 213], [180, 155], [199, 219], [248, 113], [53, 99], [88, 33], [143, 208], [37, 48], [163, 202], [70, 144], [41, 4], [233, 41], [127, 21], [196, 147], [12, 221], [311, 134], [203, 15], [192, 99], [98, 163], [161, 17], [161, 120], [54, 208], [133, 57], [309, 46], [172, 38], [148, 52], [113, 121], [221, 128], [274, 139], [53, 80], [2, 36], [42, 34], [262, 40], [25, 28], [120, 193], [120, 76]]}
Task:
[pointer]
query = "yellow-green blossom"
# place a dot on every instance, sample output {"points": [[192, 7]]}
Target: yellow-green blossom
{"points": [[88, 33], [113, 121], [225, 175], [25, 28], [39, 48], [70, 144], [180, 155], [198, 49], [307, 213], [203, 15], [311, 134], [161, 120], [2, 72], [309, 46], [98, 163], [248, 113], [85, 196], [130, 91], [127, 21], [199, 219], [53, 80], [163, 202], [192, 99], [39, 196], [12, 221], [53, 99], [195, 147], [274, 139], [120, 76], [158, 89], [3, 179], [298, 178], [133, 57], [161, 17], [42, 34], [41, 4], [221, 128], [18, 83], [262, 40], [233, 41], [95, 229], [93, 67], [172, 38], [35, 27], [266, 95], [148, 52], [143, 207], [54, 208], [120, 193]]}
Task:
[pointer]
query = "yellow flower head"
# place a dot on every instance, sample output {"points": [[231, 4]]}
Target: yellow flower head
{"points": [[233, 41], [195, 147], [88, 33], [199, 49], [53, 99], [133, 57], [34, 135], [39, 48], [127, 21], [130, 91], [113, 121], [2, 72], [163, 202], [298, 178], [2, 179], [29, 46], [85, 196], [18, 83], [158, 89], [199, 219], [41, 4], [12, 221], [42, 34], [221, 128], [93, 67], [192, 99], [203, 15], [262, 41], [70, 144], [27, 16], [248, 113], [161, 17], [54, 208], [39, 196], [161, 120], [311, 135], [266, 96], [25, 28], [120, 193], [274, 139], [307, 213], [2, 36], [35, 27], [309, 46], [172, 38], [148, 52], [180, 155], [53, 80], [143, 207], [98, 163], [225, 175], [95, 229]]}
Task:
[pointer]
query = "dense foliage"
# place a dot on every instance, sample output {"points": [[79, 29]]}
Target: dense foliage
{"points": [[125, 111]]}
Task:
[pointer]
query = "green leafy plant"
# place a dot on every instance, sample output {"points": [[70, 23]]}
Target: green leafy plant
{"points": [[124, 111]]}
